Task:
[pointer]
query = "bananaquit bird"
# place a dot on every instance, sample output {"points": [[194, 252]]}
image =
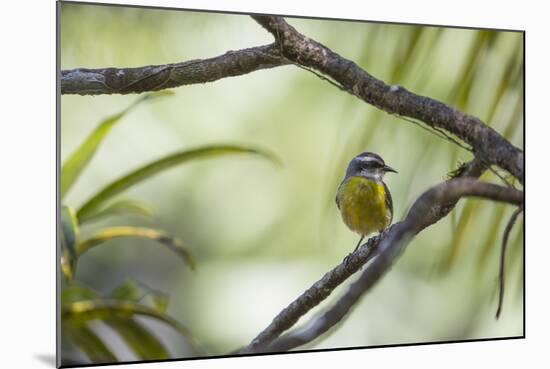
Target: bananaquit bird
{"points": [[363, 198]]}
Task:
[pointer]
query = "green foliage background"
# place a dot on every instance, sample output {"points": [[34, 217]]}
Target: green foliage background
{"points": [[261, 234]]}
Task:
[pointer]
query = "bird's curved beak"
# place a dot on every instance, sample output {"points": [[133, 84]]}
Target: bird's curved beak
{"points": [[387, 168]]}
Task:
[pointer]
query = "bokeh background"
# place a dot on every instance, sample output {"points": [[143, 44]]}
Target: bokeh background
{"points": [[262, 234]]}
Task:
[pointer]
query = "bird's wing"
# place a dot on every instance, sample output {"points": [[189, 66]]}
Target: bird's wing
{"points": [[338, 195], [389, 202]]}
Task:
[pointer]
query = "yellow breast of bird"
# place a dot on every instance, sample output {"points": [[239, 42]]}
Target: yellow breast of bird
{"points": [[363, 206]]}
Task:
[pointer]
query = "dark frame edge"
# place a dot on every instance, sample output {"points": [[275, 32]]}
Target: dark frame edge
{"points": [[58, 337], [524, 179], [315, 351], [160, 7]]}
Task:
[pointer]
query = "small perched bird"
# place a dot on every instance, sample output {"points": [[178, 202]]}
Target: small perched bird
{"points": [[363, 198]]}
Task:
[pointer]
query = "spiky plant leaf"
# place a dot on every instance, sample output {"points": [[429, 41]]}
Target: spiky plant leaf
{"points": [[88, 342], [69, 238], [122, 207], [139, 338], [79, 159], [93, 205], [83, 311], [111, 233]]}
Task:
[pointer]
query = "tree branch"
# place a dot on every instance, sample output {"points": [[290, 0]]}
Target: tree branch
{"points": [[324, 287], [484, 140], [301, 50], [429, 207], [157, 77]]}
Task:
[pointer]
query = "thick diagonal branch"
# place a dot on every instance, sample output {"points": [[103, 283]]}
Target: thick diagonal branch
{"points": [[485, 141], [431, 206], [305, 52], [321, 289], [157, 77]]}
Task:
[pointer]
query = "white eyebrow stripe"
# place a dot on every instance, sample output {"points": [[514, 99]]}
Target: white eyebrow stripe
{"points": [[370, 158]]}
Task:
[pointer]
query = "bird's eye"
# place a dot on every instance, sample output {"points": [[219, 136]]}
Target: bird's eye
{"points": [[371, 164]]}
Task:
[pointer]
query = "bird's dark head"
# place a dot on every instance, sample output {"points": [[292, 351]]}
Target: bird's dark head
{"points": [[368, 164]]}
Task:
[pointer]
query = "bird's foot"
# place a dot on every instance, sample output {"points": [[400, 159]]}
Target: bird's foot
{"points": [[347, 259]]}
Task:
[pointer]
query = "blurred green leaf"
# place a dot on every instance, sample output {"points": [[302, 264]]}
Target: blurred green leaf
{"points": [[83, 311], [421, 75], [122, 207], [460, 234], [69, 238], [403, 52], [516, 246], [492, 237], [136, 336], [160, 302], [139, 338], [128, 290], [77, 162], [507, 82], [108, 234], [462, 88], [91, 206], [516, 119], [87, 341], [135, 291], [371, 36], [77, 292], [69, 225]]}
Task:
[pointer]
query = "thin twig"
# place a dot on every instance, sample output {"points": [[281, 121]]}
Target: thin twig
{"points": [[501, 177], [501, 275], [434, 130], [337, 85]]}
